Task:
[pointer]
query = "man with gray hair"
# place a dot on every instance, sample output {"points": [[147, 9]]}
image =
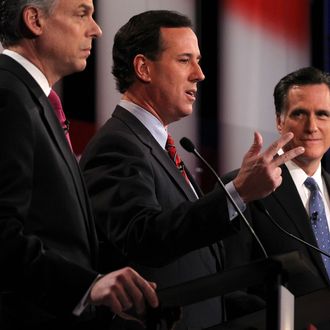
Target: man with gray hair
{"points": [[48, 245]]}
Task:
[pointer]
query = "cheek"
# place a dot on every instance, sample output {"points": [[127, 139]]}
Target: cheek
{"points": [[290, 126], [327, 136]]}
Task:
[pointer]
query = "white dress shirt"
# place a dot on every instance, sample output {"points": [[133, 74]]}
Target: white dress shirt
{"points": [[299, 176]]}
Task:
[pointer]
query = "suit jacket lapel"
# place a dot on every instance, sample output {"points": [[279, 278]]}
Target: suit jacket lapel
{"points": [[45, 109], [197, 188], [48, 117], [56, 131], [326, 177], [156, 150], [287, 197]]}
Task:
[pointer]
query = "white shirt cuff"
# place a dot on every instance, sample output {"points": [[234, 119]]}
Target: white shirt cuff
{"points": [[83, 303], [237, 199]]}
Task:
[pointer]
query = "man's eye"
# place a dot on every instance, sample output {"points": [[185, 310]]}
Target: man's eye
{"points": [[297, 114], [323, 114]]}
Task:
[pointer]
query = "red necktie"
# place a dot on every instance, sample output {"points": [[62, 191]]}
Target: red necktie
{"points": [[171, 149], [57, 106]]}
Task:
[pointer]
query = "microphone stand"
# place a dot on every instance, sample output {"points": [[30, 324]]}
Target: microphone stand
{"points": [[263, 209], [189, 146]]}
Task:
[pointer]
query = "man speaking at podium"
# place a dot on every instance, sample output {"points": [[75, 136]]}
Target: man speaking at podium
{"points": [[149, 210]]}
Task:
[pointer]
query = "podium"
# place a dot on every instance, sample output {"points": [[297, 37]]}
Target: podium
{"points": [[283, 311], [311, 308]]}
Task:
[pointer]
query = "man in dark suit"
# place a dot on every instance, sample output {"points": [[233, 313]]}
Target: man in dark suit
{"points": [[302, 103], [48, 243], [148, 215]]}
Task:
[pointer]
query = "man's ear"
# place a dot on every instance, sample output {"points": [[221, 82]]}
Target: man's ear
{"points": [[141, 67], [32, 21], [279, 117]]}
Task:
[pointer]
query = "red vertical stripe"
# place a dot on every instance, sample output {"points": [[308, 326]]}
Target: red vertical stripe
{"points": [[285, 18]]}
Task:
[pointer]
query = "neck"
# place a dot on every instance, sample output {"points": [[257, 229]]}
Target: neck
{"points": [[27, 49], [143, 103], [307, 166]]}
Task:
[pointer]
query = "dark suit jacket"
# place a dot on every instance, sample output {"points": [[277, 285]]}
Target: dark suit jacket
{"points": [[47, 236], [287, 209], [147, 215]]}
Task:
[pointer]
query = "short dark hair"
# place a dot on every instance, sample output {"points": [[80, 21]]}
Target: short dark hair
{"points": [[12, 28], [300, 77], [141, 35]]}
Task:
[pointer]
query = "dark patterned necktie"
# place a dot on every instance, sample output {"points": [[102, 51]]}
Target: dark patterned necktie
{"points": [[171, 149], [57, 106], [319, 220]]}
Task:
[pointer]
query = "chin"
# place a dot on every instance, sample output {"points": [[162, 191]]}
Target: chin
{"points": [[187, 112], [308, 158], [81, 66]]}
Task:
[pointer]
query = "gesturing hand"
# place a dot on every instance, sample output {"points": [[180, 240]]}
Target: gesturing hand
{"points": [[260, 173]]}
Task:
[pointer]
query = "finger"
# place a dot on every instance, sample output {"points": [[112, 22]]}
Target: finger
{"points": [[116, 295], [128, 294], [138, 300], [131, 288], [273, 149], [256, 146], [291, 154], [117, 304], [278, 182], [122, 299], [148, 289]]}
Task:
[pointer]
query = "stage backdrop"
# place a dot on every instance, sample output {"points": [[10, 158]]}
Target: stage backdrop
{"points": [[261, 41]]}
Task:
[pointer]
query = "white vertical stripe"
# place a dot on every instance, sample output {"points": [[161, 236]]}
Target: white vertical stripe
{"points": [[253, 61]]}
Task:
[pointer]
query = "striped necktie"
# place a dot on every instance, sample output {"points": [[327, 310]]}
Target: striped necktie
{"points": [[171, 149]]}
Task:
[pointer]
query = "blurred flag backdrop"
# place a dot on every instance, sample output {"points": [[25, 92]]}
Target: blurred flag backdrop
{"points": [[261, 41]]}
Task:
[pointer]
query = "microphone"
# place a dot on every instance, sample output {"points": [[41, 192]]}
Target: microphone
{"points": [[315, 214], [189, 146], [66, 125]]}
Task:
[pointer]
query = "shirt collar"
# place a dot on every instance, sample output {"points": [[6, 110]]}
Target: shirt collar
{"points": [[153, 125], [38, 76], [299, 176]]}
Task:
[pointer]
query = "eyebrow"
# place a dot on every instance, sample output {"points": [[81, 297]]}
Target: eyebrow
{"points": [[86, 7], [306, 110], [199, 57]]}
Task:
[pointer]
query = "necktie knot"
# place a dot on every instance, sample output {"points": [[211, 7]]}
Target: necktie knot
{"points": [[311, 184], [56, 103]]}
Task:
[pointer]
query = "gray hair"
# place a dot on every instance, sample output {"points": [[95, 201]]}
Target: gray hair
{"points": [[12, 28]]}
